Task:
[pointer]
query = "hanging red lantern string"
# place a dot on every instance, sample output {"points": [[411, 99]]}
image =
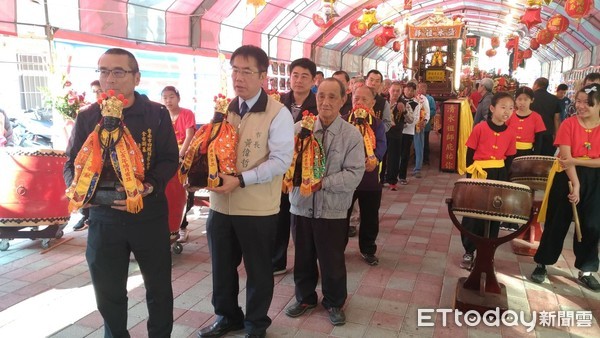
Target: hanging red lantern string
{"points": [[396, 46], [527, 54], [408, 5], [490, 53]]}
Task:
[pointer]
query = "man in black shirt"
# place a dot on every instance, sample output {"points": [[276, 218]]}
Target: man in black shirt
{"points": [[113, 232], [345, 80], [297, 100], [548, 106]]}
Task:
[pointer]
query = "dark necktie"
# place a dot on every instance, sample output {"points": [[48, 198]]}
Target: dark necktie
{"points": [[244, 109]]}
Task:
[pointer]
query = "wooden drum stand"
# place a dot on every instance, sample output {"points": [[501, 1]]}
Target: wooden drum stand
{"points": [[491, 201]]}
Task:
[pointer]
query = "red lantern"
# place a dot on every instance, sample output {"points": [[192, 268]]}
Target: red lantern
{"points": [[544, 37], [532, 17], [578, 9], [534, 44], [490, 53], [557, 24], [527, 53], [396, 46], [495, 42], [408, 5], [358, 29], [379, 40]]}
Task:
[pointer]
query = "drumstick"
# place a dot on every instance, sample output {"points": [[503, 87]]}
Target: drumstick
{"points": [[575, 215]]}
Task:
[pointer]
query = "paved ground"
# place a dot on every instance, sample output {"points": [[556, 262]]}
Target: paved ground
{"points": [[50, 294]]}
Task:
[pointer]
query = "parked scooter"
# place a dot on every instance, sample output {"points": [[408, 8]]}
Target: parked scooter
{"points": [[27, 135]]}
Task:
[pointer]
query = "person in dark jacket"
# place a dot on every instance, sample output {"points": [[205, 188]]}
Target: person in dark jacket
{"points": [[297, 100], [368, 192], [548, 106], [345, 80], [483, 106], [113, 232]]}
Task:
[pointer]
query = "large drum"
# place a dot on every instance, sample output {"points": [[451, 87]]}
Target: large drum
{"points": [[32, 188], [532, 171], [492, 200]]}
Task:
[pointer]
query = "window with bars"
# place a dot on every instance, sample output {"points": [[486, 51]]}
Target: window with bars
{"points": [[33, 77]]}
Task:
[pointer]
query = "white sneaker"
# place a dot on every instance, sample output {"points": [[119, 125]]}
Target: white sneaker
{"points": [[184, 234], [467, 261]]}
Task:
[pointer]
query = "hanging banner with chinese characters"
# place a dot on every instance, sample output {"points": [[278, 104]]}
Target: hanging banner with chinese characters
{"points": [[450, 123], [436, 27], [473, 43]]}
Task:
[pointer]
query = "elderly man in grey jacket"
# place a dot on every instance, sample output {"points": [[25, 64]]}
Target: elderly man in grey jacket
{"points": [[483, 106], [320, 229]]}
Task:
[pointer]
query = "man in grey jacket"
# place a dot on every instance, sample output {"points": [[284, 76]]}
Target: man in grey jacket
{"points": [[320, 229], [483, 106]]}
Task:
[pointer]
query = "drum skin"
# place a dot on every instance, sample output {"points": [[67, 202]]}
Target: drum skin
{"points": [[32, 188], [531, 170], [492, 200], [176, 199]]}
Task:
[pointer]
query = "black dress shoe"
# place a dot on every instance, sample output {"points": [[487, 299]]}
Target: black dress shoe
{"points": [[219, 329]]}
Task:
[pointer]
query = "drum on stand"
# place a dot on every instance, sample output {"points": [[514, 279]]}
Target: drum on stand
{"points": [[487, 200], [532, 171], [492, 200], [32, 194]]}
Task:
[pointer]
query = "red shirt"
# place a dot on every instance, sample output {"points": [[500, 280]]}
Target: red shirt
{"points": [[491, 145], [476, 97], [526, 127], [185, 120], [583, 142]]}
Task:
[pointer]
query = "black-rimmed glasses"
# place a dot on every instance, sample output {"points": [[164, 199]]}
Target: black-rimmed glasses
{"points": [[118, 73]]}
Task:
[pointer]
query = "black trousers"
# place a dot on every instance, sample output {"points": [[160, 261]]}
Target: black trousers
{"points": [[282, 238], [231, 238], [369, 202], [85, 212], [323, 240], [407, 141], [188, 207], [547, 147], [394, 150], [426, 148], [383, 167], [110, 241], [477, 226], [560, 214]]}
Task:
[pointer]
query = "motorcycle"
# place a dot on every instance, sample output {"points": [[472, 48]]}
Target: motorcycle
{"points": [[29, 134]]}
